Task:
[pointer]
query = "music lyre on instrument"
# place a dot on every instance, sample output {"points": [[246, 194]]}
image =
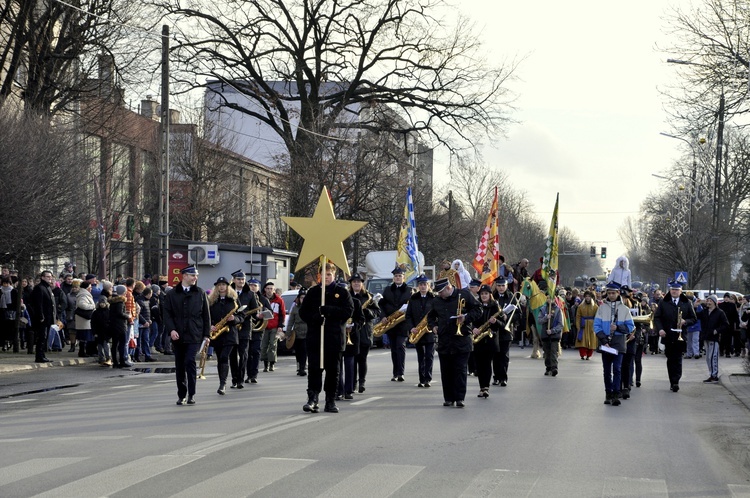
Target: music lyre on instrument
{"points": [[459, 312]]}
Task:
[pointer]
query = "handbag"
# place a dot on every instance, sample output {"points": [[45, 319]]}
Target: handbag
{"points": [[86, 314]]}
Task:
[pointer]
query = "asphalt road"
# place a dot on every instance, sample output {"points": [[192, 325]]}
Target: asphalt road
{"points": [[119, 433]]}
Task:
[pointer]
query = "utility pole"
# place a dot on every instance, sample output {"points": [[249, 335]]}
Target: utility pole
{"points": [[714, 280], [164, 158]]}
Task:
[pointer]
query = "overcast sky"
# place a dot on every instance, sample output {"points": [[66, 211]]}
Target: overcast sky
{"points": [[589, 108]]}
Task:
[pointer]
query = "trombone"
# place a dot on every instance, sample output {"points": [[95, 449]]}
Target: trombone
{"points": [[517, 297], [459, 312]]}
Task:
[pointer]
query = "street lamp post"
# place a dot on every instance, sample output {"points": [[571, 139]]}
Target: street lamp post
{"points": [[693, 174]]}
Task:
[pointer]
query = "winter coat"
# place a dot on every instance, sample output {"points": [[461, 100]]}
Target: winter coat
{"points": [[440, 316], [249, 299], [551, 329], [118, 317], [279, 312], [70, 309], [713, 324], [100, 322], [394, 297], [621, 317], [296, 324], [85, 302], [219, 309], [371, 312], [338, 309], [417, 309], [43, 307], [665, 317], [188, 314], [489, 345]]}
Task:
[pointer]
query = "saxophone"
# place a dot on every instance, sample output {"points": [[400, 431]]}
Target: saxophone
{"points": [[349, 326], [422, 329], [221, 326], [391, 321], [484, 329]]}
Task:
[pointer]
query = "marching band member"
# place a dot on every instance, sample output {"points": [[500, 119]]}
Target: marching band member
{"points": [[188, 322], [501, 359], [551, 323], [346, 375], [395, 296], [332, 316], [371, 311], [253, 356], [419, 305], [221, 301], [450, 319], [626, 372], [612, 325], [486, 348], [239, 353], [586, 341], [673, 315]]}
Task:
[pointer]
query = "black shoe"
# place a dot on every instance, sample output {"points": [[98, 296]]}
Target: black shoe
{"points": [[427, 384], [546, 373], [222, 390], [400, 378], [638, 383], [393, 379], [43, 360], [503, 383], [233, 386], [495, 382], [448, 403], [616, 399], [361, 389], [265, 369], [338, 397], [181, 401], [554, 373], [626, 394], [708, 380], [608, 399], [460, 404], [348, 396], [302, 373], [190, 400], [331, 407], [247, 381], [420, 385], [253, 380], [270, 368], [675, 388], [240, 386], [150, 359]]}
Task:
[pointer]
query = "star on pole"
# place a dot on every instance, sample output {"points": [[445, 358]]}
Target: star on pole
{"points": [[324, 235]]}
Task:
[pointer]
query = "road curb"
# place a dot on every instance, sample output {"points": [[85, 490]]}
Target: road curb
{"points": [[17, 367]]}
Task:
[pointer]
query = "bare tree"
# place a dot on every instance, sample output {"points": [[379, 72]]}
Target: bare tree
{"points": [[51, 50], [301, 64]]}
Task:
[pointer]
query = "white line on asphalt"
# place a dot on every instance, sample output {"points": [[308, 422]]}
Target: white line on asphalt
{"points": [[113, 480], [124, 387], [31, 468], [370, 481], [77, 392], [16, 440], [170, 381], [246, 479], [185, 436], [19, 401], [364, 401], [87, 438], [739, 490]]}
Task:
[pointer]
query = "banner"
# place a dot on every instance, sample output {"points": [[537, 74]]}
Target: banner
{"points": [[407, 248], [549, 263], [487, 258]]}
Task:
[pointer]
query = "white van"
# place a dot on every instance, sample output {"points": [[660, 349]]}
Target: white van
{"points": [[703, 293]]}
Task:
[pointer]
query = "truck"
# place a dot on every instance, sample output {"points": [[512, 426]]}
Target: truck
{"points": [[380, 264]]}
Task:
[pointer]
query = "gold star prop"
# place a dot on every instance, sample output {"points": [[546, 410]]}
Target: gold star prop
{"points": [[324, 235]]}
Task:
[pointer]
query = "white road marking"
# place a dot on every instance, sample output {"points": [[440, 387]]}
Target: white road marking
{"points": [[364, 401], [16, 440], [124, 387], [87, 438], [376, 480], [739, 490], [31, 468], [501, 482], [19, 401], [185, 436], [74, 393]]}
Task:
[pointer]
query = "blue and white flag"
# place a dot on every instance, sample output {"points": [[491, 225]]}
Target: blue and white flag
{"points": [[407, 248]]}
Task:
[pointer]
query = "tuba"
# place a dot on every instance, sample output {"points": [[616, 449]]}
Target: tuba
{"points": [[261, 325], [221, 325]]}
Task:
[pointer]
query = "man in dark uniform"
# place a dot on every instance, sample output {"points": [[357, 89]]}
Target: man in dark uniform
{"points": [[188, 321], [238, 356], [370, 310], [450, 318], [670, 328], [395, 297], [419, 305], [332, 317], [253, 357], [501, 359], [43, 311]]}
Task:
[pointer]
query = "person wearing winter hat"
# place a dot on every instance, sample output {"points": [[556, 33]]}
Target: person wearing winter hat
{"points": [[673, 315], [714, 322]]}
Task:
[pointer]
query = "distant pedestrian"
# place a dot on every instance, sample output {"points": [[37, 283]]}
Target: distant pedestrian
{"points": [[714, 322]]}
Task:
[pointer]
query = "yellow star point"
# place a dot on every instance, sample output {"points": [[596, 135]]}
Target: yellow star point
{"points": [[324, 235]]}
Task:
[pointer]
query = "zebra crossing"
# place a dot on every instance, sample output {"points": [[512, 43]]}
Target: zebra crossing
{"points": [[256, 476]]}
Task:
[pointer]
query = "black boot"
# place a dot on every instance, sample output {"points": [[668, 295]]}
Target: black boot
{"points": [[270, 368], [330, 405], [626, 394], [615, 398], [361, 387], [82, 349], [265, 366], [308, 407], [608, 399]]}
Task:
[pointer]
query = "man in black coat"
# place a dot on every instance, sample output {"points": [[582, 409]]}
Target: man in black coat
{"points": [[188, 321], [501, 359], [253, 354], [43, 310], [419, 305], [450, 318], [332, 316], [670, 328], [396, 296], [238, 356]]}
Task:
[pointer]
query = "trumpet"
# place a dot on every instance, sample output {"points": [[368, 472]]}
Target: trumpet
{"points": [[679, 325]]}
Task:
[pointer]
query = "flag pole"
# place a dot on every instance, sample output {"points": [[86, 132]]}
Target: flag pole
{"points": [[322, 277]]}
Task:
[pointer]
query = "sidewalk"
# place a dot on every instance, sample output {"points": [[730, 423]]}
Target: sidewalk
{"points": [[16, 362]]}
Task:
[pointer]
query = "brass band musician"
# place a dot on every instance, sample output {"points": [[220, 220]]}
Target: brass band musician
{"points": [[416, 311], [501, 359], [487, 347], [395, 296], [239, 355], [222, 304]]}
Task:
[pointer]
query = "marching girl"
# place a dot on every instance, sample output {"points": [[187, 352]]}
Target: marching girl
{"points": [[485, 348]]}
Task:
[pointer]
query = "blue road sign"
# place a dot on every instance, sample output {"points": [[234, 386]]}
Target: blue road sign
{"points": [[681, 277]]}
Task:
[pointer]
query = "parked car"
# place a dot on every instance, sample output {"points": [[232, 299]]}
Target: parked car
{"points": [[703, 293], [288, 297]]}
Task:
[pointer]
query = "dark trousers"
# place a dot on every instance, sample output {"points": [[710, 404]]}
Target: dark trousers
{"points": [[626, 370], [551, 350], [638, 362], [360, 364], [185, 368], [222, 361], [238, 360], [500, 361], [726, 343], [674, 362], [398, 354], [119, 347], [346, 375], [612, 366], [425, 358], [331, 362], [483, 361], [453, 374], [253, 356], [300, 353], [40, 340]]}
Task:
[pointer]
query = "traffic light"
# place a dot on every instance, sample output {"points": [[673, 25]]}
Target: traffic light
{"points": [[593, 251], [604, 252]]}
